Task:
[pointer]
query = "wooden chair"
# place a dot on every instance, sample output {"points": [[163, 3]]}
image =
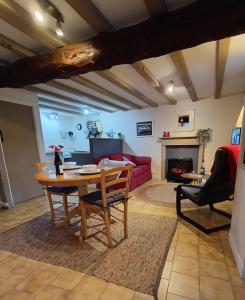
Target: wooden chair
{"points": [[98, 205], [59, 209]]}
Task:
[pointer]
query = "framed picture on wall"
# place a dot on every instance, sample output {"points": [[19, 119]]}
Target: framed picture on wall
{"points": [[184, 121], [144, 129]]}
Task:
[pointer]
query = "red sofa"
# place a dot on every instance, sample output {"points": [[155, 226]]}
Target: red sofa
{"points": [[141, 171]]}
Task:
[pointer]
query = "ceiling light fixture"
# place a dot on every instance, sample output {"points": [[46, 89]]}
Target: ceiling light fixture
{"points": [[59, 30], [39, 16], [53, 115], [170, 87], [49, 8], [86, 111]]}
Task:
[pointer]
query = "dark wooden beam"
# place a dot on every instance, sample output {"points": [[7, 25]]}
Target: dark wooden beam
{"points": [[143, 71], [109, 76], [199, 22], [222, 51], [92, 85], [181, 67], [156, 7], [71, 100], [47, 106], [71, 90], [91, 14], [46, 100]]}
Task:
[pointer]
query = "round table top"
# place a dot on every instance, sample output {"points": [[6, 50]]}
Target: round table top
{"points": [[69, 178], [195, 176]]}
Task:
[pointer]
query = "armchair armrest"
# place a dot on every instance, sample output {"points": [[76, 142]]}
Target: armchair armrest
{"points": [[142, 160]]}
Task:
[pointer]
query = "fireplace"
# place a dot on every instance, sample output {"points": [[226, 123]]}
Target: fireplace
{"points": [[178, 166]]}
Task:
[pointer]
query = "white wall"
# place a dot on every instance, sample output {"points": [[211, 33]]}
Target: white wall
{"points": [[236, 235], [219, 114]]}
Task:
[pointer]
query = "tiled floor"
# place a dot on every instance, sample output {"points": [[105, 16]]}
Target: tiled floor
{"points": [[197, 267]]}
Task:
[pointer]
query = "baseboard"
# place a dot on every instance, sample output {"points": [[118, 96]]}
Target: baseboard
{"points": [[238, 259]]}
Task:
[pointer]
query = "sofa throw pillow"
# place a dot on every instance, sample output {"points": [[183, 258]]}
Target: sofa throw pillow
{"points": [[116, 157], [128, 161]]}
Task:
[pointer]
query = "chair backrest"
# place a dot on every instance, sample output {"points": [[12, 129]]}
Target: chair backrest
{"points": [[219, 186], [110, 178]]}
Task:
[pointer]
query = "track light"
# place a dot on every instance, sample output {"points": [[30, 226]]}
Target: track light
{"points": [[86, 111], [170, 87], [59, 30], [39, 16]]}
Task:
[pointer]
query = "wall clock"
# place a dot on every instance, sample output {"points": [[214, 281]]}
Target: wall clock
{"points": [[79, 126]]}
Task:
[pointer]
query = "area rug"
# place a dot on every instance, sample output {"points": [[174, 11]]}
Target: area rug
{"points": [[162, 194], [136, 263]]}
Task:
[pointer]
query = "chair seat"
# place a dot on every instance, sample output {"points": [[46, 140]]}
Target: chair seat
{"points": [[95, 198], [66, 190], [191, 192]]}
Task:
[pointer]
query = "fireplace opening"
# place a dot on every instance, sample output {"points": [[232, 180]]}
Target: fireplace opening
{"points": [[178, 166]]}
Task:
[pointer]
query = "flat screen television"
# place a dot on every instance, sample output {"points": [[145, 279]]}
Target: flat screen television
{"points": [[236, 136]]}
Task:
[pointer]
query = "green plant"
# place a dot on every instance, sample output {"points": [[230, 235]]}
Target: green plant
{"points": [[204, 136]]}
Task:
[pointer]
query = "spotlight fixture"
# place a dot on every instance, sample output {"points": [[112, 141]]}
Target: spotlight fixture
{"points": [[86, 111], [39, 16], [49, 8], [170, 87], [59, 30], [53, 115]]}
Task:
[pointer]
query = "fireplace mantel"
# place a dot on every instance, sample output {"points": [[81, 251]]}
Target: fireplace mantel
{"points": [[177, 142]]}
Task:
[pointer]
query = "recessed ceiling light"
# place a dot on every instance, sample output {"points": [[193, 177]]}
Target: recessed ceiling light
{"points": [[39, 16], [86, 111]]}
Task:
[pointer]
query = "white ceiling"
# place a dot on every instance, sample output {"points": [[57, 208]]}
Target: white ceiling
{"points": [[200, 60]]}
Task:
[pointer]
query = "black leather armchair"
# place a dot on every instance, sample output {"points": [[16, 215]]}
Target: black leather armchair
{"points": [[219, 187]]}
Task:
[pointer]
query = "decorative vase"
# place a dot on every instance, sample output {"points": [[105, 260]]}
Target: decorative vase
{"points": [[57, 163]]}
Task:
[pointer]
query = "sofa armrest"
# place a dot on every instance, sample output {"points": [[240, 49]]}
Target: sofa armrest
{"points": [[142, 160]]}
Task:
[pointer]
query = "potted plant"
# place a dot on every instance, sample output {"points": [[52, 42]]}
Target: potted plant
{"points": [[204, 136]]}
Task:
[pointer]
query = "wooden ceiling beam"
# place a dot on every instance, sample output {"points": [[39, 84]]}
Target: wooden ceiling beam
{"points": [[156, 7], [144, 72], [181, 67], [111, 77], [41, 91], [222, 52], [91, 14], [92, 85], [15, 47], [175, 30], [44, 99], [50, 106], [15, 15], [71, 90]]}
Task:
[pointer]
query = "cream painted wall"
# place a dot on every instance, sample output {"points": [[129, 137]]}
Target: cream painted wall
{"points": [[236, 235], [219, 114]]}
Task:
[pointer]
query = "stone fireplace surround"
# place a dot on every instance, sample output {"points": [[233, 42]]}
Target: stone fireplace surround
{"points": [[177, 141]]}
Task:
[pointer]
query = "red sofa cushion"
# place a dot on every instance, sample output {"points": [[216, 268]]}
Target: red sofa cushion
{"points": [[116, 156], [137, 171]]}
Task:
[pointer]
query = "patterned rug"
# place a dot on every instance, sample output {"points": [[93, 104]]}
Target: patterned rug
{"points": [[136, 263], [162, 194]]}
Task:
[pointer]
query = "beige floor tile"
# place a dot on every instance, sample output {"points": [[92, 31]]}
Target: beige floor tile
{"points": [[211, 252], [16, 295], [188, 250], [113, 291], [36, 281], [213, 268], [239, 293], [163, 289], [67, 279], [140, 296], [52, 293], [167, 270], [170, 255], [4, 254], [88, 288], [189, 238], [175, 297], [5, 287], [229, 259], [186, 265], [236, 280], [184, 285], [215, 289]]}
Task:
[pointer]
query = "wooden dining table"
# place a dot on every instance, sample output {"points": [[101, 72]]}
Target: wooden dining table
{"points": [[71, 178]]}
